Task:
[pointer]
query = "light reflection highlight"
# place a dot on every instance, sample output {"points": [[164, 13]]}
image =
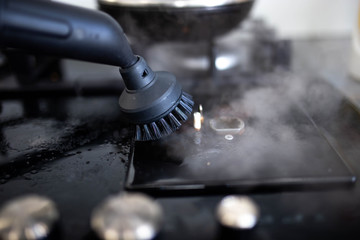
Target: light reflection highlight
{"points": [[225, 62], [197, 121]]}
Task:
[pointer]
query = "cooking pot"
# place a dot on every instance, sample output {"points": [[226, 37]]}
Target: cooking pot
{"points": [[172, 20]]}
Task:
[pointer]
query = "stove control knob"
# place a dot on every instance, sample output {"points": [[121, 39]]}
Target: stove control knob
{"points": [[237, 212], [127, 216], [29, 217]]}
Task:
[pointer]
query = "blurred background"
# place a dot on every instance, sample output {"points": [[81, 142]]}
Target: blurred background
{"points": [[296, 18]]}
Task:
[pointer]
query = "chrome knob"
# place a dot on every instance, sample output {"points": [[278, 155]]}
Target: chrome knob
{"points": [[130, 216], [29, 217], [237, 212]]}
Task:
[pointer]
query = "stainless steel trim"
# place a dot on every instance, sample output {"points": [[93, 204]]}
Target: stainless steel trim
{"points": [[172, 3], [225, 129]]}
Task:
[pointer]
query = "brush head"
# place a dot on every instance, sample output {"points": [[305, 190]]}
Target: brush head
{"points": [[153, 101], [167, 124]]}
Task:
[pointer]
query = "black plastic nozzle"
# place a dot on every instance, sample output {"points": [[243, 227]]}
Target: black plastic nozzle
{"points": [[154, 101], [148, 95], [63, 30]]}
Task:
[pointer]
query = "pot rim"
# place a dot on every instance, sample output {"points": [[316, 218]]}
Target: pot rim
{"points": [[178, 4]]}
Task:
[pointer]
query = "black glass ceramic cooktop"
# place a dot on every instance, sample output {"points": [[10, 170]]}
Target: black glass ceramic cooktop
{"points": [[279, 147]]}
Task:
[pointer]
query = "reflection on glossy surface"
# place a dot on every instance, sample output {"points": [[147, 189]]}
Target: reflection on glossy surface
{"points": [[197, 121], [229, 137], [226, 62]]}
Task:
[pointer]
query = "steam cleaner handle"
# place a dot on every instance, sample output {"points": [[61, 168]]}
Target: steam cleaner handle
{"points": [[63, 30]]}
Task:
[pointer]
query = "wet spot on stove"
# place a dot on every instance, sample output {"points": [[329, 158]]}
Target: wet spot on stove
{"points": [[27, 176], [53, 150]]}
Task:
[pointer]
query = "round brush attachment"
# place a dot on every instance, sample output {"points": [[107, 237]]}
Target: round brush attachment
{"points": [[154, 101]]}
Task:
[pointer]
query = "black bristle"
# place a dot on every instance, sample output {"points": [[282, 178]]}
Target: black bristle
{"points": [[155, 130], [185, 107], [174, 122], [138, 134], [168, 124], [147, 135], [180, 114], [187, 98], [165, 126]]}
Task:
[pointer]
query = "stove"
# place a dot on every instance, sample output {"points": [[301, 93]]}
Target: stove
{"points": [[62, 136]]}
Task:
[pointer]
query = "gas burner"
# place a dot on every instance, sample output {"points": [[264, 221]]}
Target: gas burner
{"points": [[250, 49]]}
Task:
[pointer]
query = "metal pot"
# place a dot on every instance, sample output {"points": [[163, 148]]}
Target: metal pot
{"points": [[171, 20]]}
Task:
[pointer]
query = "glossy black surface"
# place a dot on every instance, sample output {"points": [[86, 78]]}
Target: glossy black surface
{"points": [[73, 150], [76, 151], [284, 149]]}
